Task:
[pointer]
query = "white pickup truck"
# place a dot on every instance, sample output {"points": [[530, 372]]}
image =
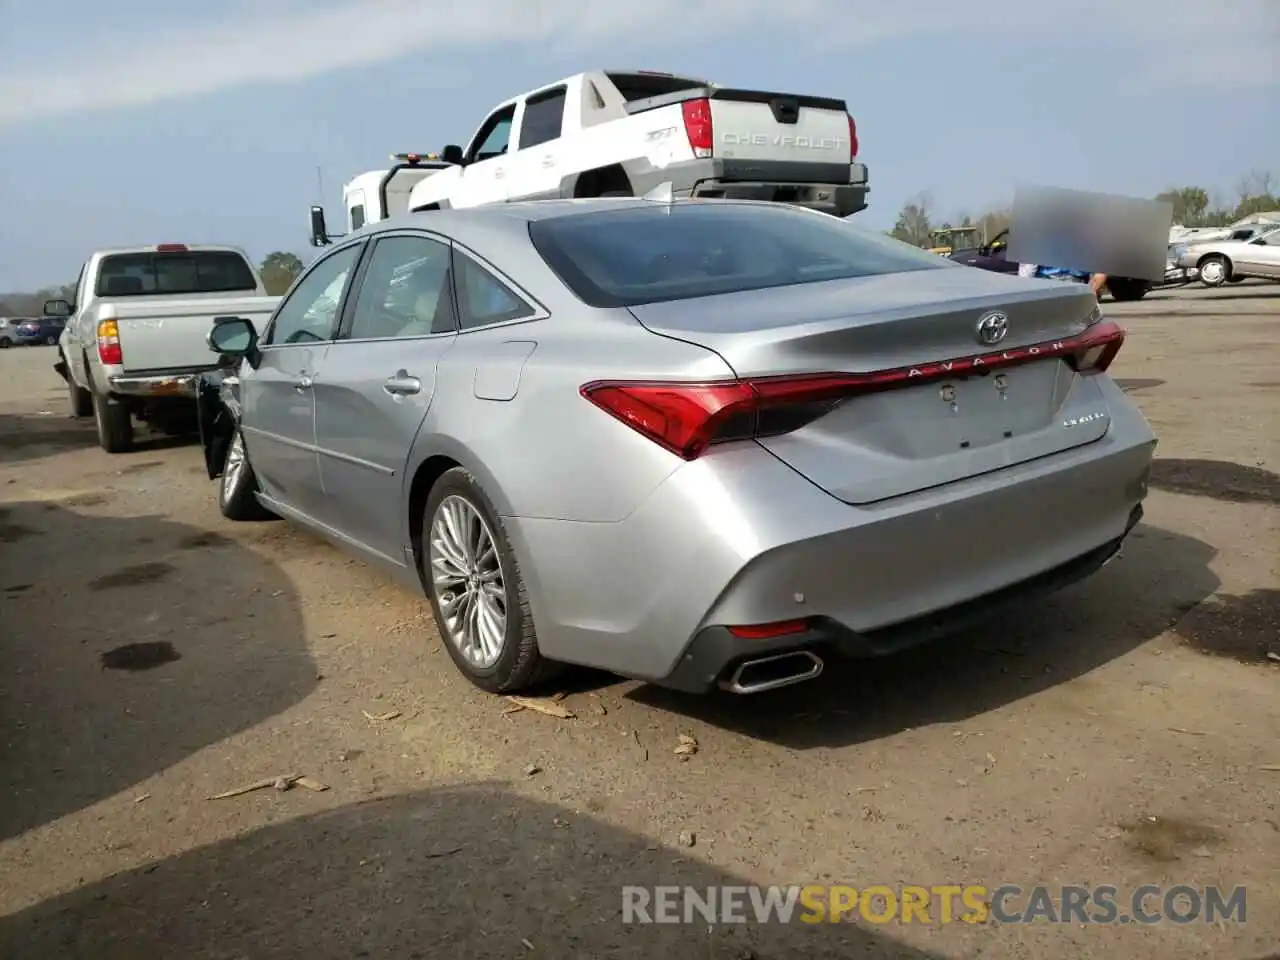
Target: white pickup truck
{"points": [[136, 338], [610, 133], [624, 133]]}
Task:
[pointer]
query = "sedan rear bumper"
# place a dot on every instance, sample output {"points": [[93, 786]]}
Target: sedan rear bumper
{"points": [[737, 538], [716, 653]]}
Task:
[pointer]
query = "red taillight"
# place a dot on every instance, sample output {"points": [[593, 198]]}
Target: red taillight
{"points": [[683, 417], [686, 418], [171, 248], [767, 631], [697, 126], [1093, 350], [109, 342], [853, 139]]}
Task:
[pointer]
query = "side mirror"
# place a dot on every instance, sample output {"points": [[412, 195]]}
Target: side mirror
{"points": [[453, 154], [319, 232], [57, 308], [234, 338]]}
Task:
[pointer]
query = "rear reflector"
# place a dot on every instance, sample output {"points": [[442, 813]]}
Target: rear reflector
{"points": [[697, 126], [109, 342], [686, 418], [766, 631]]}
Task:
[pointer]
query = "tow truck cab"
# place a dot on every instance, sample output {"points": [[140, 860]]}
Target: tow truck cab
{"points": [[377, 194]]}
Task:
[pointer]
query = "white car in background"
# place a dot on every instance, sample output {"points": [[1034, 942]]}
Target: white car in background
{"points": [[1229, 261], [8, 332]]}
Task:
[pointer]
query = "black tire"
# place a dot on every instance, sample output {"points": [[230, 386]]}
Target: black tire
{"points": [[81, 399], [51, 341], [519, 664], [237, 491], [115, 424], [5, 343], [1219, 276], [1124, 290]]}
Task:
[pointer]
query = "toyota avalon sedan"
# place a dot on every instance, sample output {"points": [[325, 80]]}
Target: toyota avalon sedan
{"points": [[704, 443]]}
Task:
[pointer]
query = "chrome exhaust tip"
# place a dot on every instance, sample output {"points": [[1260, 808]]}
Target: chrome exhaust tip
{"points": [[770, 673]]}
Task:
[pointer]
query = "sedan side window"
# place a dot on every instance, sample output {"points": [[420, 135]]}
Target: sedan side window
{"points": [[405, 292], [483, 298], [309, 313]]}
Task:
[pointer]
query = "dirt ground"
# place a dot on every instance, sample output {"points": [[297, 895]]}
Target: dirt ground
{"points": [[1123, 733]]}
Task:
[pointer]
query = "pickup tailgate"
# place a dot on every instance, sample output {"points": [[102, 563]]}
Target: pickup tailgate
{"points": [[170, 334], [780, 127]]}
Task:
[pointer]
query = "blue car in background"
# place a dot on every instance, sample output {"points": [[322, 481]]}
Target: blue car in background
{"points": [[44, 330]]}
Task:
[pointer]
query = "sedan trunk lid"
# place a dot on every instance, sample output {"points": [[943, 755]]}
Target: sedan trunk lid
{"points": [[942, 415]]}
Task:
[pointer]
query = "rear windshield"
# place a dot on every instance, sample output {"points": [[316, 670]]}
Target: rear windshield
{"points": [[642, 86], [655, 253], [147, 274]]}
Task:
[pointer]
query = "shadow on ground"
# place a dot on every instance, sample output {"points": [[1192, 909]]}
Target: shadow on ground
{"points": [[1039, 644], [1244, 628], [34, 436], [468, 872], [1216, 479], [1133, 385], [127, 645]]}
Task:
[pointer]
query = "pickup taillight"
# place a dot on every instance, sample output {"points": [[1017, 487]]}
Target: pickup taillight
{"points": [[109, 342], [853, 139], [697, 126]]}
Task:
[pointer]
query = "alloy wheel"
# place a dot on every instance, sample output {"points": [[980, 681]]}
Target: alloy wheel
{"points": [[234, 466], [467, 579]]}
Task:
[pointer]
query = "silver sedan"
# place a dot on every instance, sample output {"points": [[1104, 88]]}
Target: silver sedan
{"points": [[1225, 261], [701, 443]]}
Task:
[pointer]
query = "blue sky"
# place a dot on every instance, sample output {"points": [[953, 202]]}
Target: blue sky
{"points": [[145, 121]]}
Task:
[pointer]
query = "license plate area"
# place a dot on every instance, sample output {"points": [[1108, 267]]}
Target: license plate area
{"points": [[965, 413]]}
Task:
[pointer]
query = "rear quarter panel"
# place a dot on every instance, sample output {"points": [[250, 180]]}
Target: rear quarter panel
{"points": [[549, 453]]}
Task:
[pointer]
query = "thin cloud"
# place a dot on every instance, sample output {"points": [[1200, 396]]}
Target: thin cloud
{"points": [[1182, 36]]}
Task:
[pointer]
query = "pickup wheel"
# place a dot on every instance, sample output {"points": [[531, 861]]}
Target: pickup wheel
{"points": [[1124, 290], [81, 399], [115, 425], [238, 487]]}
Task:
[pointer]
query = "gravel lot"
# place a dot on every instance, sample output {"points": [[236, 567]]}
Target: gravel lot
{"points": [[1123, 733]]}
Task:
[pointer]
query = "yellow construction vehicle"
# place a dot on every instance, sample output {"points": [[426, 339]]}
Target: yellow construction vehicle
{"points": [[945, 240]]}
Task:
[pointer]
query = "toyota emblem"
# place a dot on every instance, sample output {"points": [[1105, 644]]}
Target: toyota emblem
{"points": [[992, 328]]}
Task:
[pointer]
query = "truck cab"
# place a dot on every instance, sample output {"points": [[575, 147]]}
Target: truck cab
{"points": [[378, 194]]}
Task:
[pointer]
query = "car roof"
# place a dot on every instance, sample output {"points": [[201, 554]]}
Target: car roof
{"points": [[502, 220], [530, 211]]}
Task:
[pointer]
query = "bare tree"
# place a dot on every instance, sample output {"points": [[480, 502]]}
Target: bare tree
{"points": [[913, 223]]}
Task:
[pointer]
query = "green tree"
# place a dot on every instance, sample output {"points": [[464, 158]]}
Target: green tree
{"points": [[1257, 194], [1190, 204], [279, 270]]}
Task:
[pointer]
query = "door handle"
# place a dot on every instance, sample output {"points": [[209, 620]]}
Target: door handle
{"points": [[304, 382], [499, 173], [402, 384], [548, 161]]}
